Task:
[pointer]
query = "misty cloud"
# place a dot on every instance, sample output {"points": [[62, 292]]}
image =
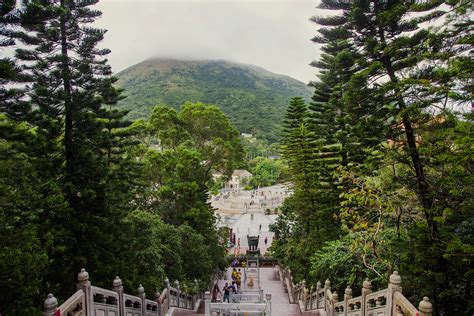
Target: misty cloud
{"points": [[272, 34]]}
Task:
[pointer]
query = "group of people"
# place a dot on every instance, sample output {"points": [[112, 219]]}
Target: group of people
{"points": [[233, 287]]}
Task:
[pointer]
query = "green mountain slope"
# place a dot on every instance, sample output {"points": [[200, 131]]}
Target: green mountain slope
{"points": [[254, 98]]}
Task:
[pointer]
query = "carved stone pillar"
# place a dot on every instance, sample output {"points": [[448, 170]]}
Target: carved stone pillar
{"points": [[347, 297], [425, 307], [302, 292], [160, 303], [268, 302], [176, 283], [50, 305], [394, 285], [142, 296], [366, 289], [167, 287], [118, 288], [207, 303], [335, 299], [327, 287], [196, 291], [318, 288], [85, 285]]}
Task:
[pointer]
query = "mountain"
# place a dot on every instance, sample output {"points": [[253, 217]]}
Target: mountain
{"points": [[254, 99]]}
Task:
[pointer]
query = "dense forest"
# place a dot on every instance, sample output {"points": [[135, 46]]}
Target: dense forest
{"points": [[381, 159], [82, 187]]}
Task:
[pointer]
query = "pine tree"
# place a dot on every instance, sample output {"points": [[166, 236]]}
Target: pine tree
{"points": [[399, 58], [297, 140], [70, 83], [296, 114], [11, 98], [330, 119]]}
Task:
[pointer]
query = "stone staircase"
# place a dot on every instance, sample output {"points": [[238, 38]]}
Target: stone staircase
{"points": [[265, 291], [273, 293]]}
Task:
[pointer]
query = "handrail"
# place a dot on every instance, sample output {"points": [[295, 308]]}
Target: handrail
{"points": [[386, 302], [73, 305], [264, 308], [90, 300], [401, 304]]}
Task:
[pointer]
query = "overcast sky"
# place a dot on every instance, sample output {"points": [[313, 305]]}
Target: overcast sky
{"points": [[273, 34]]}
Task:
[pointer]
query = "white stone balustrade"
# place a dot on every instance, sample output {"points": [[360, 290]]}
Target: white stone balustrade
{"points": [[385, 302], [91, 300], [243, 308]]}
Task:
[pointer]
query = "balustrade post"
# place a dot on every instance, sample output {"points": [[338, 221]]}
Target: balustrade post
{"points": [[196, 291], [168, 294], [425, 307], [157, 299], [118, 288], [50, 305], [85, 285], [207, 303], [303, 293], [142, 296], [176, 283], [347, 297], [311, 292], [366, 289], [300, 290], [335, 299], [394, 285], [327, 287], [318, 288], [292, 284], [268, 307]]}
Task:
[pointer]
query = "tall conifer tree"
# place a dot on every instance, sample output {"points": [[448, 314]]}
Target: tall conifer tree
{"points": [[70, 84]]}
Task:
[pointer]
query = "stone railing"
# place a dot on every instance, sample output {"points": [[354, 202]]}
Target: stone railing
{"points": [[255, 306], [247, 296], [386, 302], [90, 300]]}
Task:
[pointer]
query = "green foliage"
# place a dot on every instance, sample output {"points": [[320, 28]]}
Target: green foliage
{"points": [[203, 127], [253, 98], [266, 172], [22, 256], [149, 250], [259, 148], [336, 262], [80, 186], [380, 164]]}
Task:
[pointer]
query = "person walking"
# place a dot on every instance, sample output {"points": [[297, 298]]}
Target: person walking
{"points": [[215, 291], [239, 280], [226, 293], [266, 241]]}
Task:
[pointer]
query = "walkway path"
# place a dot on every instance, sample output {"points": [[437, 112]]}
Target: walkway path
{"points": [[249, 220], [271, 284]]}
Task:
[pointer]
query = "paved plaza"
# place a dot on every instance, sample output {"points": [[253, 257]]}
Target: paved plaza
{"points": [[250, 213]]}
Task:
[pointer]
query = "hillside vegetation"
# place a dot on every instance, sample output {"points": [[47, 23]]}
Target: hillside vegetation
{"points": [[254, 98]]}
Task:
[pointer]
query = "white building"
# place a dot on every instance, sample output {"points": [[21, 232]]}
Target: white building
{"points": [[237, 179]]}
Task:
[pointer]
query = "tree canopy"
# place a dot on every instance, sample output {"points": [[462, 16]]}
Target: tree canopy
{"points": [[376, 160]]}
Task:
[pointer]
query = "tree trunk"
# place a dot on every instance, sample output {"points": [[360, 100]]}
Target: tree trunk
{"points": [[442, 264], [68, 104]]}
